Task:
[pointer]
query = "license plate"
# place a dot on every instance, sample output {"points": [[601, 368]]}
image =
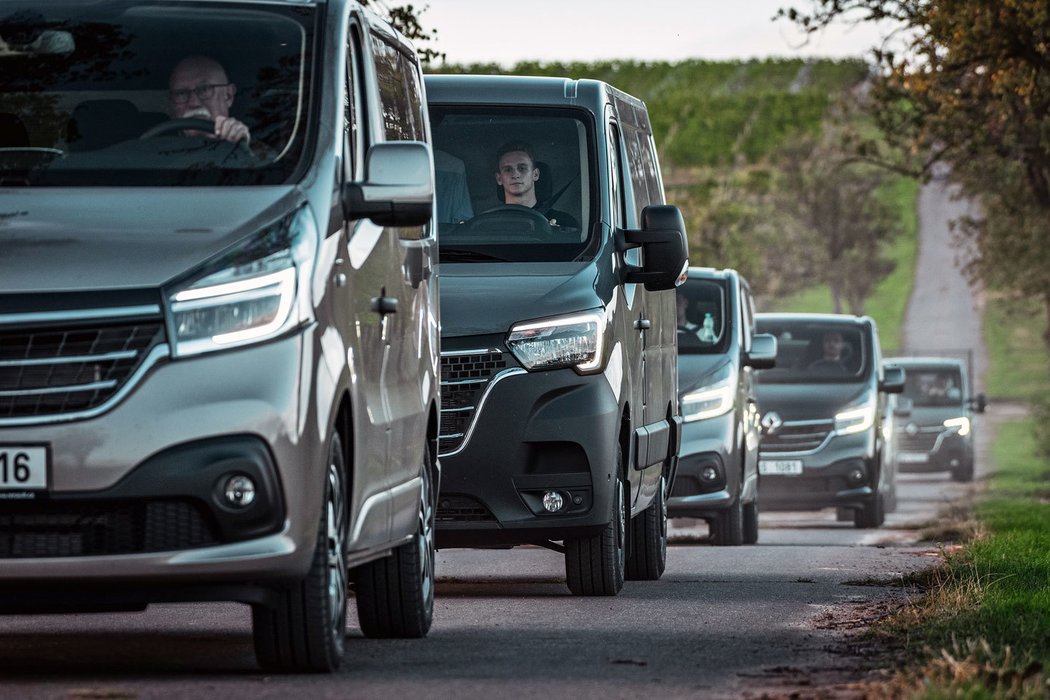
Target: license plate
{"points": [[912, 457], [791, 467], [23, 467]]}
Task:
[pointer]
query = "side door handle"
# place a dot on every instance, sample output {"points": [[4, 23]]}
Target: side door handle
{"points": [[384, 305], [643, 324]]}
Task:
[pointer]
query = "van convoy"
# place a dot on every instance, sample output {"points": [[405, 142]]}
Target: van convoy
{"points": [[226, 373]]}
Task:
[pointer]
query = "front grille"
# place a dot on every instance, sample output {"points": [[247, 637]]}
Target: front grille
{"points": [[923, 441], [464, 378], [51, 371], [49, 529], [463, 509], [801, 436]]}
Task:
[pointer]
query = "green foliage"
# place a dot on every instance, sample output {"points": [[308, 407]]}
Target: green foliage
{"points": [[1018, 367]]}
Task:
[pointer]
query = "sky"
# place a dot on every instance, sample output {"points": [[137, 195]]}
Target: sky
{"points": [[505, 32]]}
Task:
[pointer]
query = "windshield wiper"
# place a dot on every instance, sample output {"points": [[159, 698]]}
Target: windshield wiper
{"points": [[467, 255]]}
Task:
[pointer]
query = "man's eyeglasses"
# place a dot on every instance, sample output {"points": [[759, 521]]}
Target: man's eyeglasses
{"points": [[203, 92]]}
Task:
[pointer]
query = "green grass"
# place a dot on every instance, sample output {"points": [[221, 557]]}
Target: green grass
{"points": [[1013, 331], [984, 630]]}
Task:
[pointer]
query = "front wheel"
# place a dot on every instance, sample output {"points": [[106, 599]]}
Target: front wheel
{"points": [[727, 529], [751, 522], [964, 472], [395, 594], [304, 631], [594, 566], [872, 514], [647, 540]]}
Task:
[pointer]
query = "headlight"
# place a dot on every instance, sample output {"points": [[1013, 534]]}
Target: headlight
{"points": [[715, 398], [250, 294], [570, 341], [856, 420], [962, 424]]}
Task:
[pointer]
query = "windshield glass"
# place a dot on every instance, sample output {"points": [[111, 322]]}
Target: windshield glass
{"points": [[817, 351], [153, 93], [703, 317], [513, 184], [931, 386]]}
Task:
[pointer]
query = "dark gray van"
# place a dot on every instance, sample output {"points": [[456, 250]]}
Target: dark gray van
{"points": [[823, 407], [559, 417], [218, 337], [718, 351]]}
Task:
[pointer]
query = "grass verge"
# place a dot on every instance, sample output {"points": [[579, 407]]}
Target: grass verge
{"points": [[1017, 366]]}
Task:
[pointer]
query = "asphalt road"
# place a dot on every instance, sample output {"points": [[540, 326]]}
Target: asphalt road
{"points": [[723, 621]]}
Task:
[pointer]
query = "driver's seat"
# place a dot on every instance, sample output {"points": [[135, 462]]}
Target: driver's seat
{"points": [[98, 124]]}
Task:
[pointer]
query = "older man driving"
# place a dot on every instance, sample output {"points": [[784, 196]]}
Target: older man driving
{"points": [[199, 88]]}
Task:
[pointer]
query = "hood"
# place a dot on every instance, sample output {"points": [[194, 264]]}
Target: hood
{"points": [[486, 298], [72, 239], [693, 370], [807, 401]]}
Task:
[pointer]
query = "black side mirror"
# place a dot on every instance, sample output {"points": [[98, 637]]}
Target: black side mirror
{"points": [[763, 353], [398, 189], [979, 403], [665, 249], [892, 380]]}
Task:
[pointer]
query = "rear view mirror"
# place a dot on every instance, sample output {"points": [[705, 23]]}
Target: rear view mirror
{"points": [[892, 380], [398, 189], [979, 403], [763, 353], [665, 250], [903, 407]]}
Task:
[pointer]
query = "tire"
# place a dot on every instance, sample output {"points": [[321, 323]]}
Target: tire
{"points": [[304, 630], [751, 522], [727, 530], [595, 565], [964, 472], [647, 540], [395, 594], [872, 514]]}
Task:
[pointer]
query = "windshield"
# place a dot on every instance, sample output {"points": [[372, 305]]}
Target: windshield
{"points": [[513, 184], [933, 386], [152, 93], [703, 317], [817, 351]]}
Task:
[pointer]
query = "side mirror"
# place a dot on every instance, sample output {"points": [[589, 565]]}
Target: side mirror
{"points": [[763, 354], [665, 250], [398, 189], [903, 407], [892, 380], [979, 403]]}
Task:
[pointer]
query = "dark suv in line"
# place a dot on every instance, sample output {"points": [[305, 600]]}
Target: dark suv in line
{"points": [[934, 417], [823, 408], [218, 332], [718, 350], [559, 416]]}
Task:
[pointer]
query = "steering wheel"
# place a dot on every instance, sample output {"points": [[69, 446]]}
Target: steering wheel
{"points": [[173, 125], [528, 221], [824, 365]]}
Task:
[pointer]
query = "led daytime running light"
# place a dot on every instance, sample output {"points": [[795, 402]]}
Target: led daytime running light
{"points": [[962, 424]]}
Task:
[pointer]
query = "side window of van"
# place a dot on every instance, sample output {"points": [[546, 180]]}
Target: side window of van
{"points": [[747, 317], [616, 178], [652, 174], [636, 164], [397, 119], [351, 102], [416, 113]]}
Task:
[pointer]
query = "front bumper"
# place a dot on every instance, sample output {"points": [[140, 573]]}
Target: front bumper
{"points": [[135, 493], [534, 432], [825, 479], [950, 451], [707, 443]]}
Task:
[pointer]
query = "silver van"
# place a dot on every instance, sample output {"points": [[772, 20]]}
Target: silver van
{"points": [[218, 320]]}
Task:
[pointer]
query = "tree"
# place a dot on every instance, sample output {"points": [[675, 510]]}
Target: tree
{"points": [[405, 19], [972, 87]]}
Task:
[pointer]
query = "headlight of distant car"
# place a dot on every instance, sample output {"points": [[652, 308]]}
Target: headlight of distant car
{"points": [[714, 398], [961, 424], [855, 420], [568, 341], [250, 294]]}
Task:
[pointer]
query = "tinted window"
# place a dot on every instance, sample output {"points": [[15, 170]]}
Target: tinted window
{"points": [[703, 317], [81, 84], [550, 163], [397, 114], [932, 386], [818, 351]]}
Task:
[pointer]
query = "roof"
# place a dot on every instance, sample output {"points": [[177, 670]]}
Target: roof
{"points": [[814, 318], [925, 361]]}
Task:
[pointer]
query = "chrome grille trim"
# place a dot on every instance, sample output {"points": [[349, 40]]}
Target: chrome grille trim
{"points": [[78, 315], [816, 431], [461, 428], [72, 388], [43, 361]]}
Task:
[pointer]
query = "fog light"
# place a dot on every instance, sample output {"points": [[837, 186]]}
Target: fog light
{"points": [[855, 475], [708, 473], [239, 491], [553, 501]]}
